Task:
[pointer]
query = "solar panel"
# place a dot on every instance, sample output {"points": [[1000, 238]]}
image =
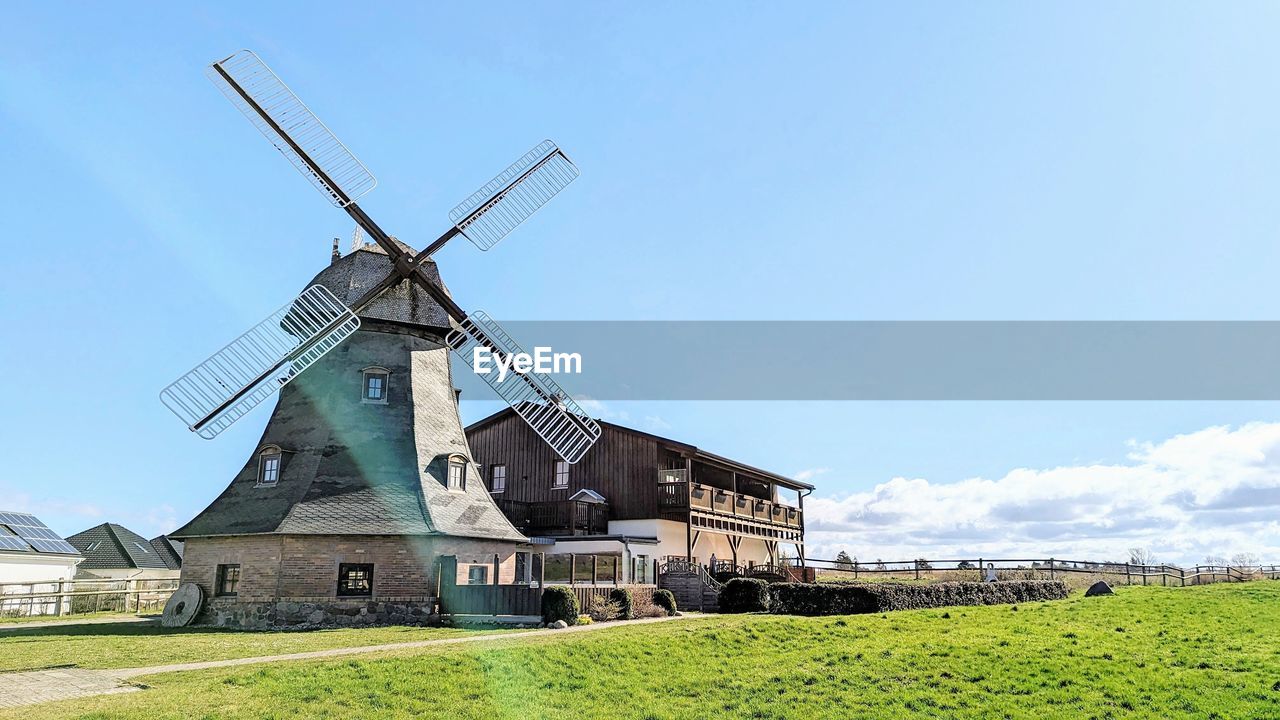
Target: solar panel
{"points": [[9, 541], [37, 534]]}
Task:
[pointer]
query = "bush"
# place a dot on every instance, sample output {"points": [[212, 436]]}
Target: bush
{"points": [[622, 598], [559, 603], [602, 610], [645, 609], [741, 595], [665, 600], [856, 598]]}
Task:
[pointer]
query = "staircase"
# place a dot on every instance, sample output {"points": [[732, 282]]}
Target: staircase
{"points": [[693, 588]]}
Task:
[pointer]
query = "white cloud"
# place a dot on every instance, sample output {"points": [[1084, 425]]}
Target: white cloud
{"points": [[655, 423], [1215, 491], [811, 473]]}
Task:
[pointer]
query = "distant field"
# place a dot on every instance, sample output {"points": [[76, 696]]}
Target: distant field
{"points": [[1146, 653]]}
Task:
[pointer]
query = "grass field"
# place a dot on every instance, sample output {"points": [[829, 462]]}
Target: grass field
{"points": [[24, 619], [140, 644], [1207, 652]]}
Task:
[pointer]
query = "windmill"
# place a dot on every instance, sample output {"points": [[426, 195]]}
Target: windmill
{"points": [[231, 382]]}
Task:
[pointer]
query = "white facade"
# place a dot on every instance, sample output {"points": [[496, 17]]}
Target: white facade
{"points": [[26, 573]]}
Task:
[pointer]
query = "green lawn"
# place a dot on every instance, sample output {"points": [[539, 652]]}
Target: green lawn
{"points": [[112, 645], [1147, 652], [23, 619]]}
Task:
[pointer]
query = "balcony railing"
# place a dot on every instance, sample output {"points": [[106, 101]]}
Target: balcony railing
{"points": [[681, 496], [558, 517]]}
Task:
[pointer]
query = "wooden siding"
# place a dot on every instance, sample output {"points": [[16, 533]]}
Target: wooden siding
{"points": [[622, 466]]}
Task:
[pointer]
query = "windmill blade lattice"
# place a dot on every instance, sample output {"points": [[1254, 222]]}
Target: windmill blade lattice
{"points": [[220, 390], [291, 127], [535, 397], [494, 210]]}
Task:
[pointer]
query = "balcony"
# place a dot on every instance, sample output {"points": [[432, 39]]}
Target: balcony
{"points": [[557, 518], [675, 495]]}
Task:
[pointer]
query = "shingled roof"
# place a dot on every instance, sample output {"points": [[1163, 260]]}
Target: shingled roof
{"points": [[354, 468], [109, 547], [169, 550]]}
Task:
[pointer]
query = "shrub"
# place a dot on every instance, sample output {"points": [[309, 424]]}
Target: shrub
{"points": [[665, 600], [741, 595], [559, 603], [645, 609], [622, 598], [855, 598], [602, 610]]}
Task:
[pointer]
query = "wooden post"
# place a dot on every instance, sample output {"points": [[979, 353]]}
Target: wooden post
{"points": [[61, 598], [616, 562], [917, 563], [1128, 578], [855, 569], [542, 570], [573, 567], [655, 571], [1051, 569], [497, 591], [595, 569], [688, 521]]}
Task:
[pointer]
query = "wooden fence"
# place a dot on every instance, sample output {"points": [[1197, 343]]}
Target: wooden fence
{"points": [[77, 597], [639, 592], [1050, 568]]}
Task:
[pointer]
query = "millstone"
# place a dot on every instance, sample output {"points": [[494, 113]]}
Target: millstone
{"points": [[1098, 588], [183, 606]]}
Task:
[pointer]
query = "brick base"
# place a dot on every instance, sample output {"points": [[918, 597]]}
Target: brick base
{"points": [[306, 613]]}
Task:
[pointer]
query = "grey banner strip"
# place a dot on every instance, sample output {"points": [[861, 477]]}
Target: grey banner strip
{"points": [[911, 360]]}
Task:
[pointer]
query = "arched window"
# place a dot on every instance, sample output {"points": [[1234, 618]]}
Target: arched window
{"points": [[457, 479], [269, 465], [375, 385]]}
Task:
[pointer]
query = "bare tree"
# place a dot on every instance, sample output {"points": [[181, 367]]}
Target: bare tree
{"points": [[1214, 560], [1244, 561], [1141, 556]]}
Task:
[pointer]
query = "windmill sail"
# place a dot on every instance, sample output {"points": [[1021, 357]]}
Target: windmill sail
{"points": [[509, 199], [295, 131], [535, 397], [223, 388]]}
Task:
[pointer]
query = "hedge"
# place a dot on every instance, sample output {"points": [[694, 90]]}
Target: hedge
{"points": [[665, 600], [742, 595], [622, 597], [856, 598], [559, 603]]}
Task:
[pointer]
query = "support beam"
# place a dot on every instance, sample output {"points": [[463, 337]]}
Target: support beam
{"points": [[688, 493]]}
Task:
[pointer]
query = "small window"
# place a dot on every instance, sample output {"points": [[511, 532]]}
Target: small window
{"points": [[497, 478], [522, 567], [93, 546], [269, 467], [457, 475], [561, 475], [375, 386], [142, 547], [355, 579], [228, 580], [478, 575]]}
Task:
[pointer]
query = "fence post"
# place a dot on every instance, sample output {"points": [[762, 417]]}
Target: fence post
{"points": [[595, 569], [1128, 578], [855, 569], [1144, 575], [573, 567], [981, 565], [1182, 575], [61, 598], [1051, 576], [917, 569]]}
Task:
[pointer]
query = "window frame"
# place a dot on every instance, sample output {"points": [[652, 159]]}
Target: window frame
{"points": [[493, 485], [274, 455], [484, 573], [526, 577], [556, 475], [461, 465], [344, 578], [220, 586], [371, 373]]}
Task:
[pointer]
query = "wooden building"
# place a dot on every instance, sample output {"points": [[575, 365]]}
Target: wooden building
{"points": [[638, 497]]}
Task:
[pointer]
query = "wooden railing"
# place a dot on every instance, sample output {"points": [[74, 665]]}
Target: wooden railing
{"points": [[680, 495], [76, 597], [557, 517], [1051, 568]]}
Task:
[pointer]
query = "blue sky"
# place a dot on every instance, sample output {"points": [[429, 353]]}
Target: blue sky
{"points": [[740, 161]]}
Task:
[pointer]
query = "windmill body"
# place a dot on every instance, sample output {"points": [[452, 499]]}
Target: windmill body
{"points": [[357, 482]]}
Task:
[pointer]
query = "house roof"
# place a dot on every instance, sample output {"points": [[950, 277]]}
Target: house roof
{"points": [[683, 447], [170, 551], [110, 546], [25, 534]]}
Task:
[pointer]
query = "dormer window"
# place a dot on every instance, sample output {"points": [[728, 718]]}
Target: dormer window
{"points": [[375, 386], [457, 474], [269, 466]]}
